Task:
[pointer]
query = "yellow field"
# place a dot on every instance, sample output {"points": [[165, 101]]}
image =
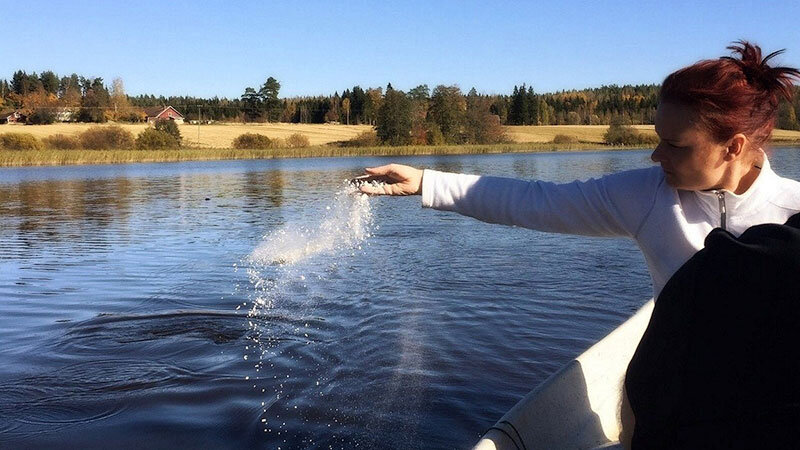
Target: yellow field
{"points": [[222, 135], [546, 133], [594, 133], [215, 135]]}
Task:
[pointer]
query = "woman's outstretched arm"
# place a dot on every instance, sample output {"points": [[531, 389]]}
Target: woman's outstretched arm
{"points": [[614, 205]]}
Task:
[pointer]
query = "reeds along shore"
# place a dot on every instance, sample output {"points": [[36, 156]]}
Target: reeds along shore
{"points": [[10, 158], [16, 158]]}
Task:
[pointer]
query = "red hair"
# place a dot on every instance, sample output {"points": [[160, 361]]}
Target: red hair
{"points": [[733, 95]]}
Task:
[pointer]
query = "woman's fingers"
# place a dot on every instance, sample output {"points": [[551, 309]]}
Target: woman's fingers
{"points": [[394, 179], [371, 190], [380, 189], [380, 170]]}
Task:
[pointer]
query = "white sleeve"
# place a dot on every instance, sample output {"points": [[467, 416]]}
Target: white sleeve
{"points": [[614, 205]]}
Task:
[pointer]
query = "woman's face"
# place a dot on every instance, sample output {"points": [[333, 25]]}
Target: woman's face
{"points": [[689, 156]]}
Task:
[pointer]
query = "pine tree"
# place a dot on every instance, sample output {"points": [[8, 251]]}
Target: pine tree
{"points": [[533, 107], [269, 99], [515, 110]]}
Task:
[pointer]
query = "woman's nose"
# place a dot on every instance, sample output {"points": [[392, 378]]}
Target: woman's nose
{"points": [[657, 153]]}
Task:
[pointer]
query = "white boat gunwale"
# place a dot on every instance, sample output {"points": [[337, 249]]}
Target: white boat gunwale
{"points": [[578, 406]]}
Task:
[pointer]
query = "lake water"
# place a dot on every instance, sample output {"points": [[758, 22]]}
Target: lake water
{"points": [[251, 304]]}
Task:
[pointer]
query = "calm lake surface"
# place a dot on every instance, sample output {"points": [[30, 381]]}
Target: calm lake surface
{"points": [[251, 304]]}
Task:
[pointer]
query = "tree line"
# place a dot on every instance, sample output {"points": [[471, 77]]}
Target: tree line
{"points": [[444, 114]]}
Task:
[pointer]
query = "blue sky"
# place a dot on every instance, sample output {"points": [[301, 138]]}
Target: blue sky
{"points": [[208, 48]]}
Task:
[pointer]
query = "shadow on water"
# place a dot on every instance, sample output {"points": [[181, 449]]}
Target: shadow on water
{"points": [[112, 329], [113, 333]]}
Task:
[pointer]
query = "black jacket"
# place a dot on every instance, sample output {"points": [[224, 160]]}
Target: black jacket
{"points": [[719, 363]]}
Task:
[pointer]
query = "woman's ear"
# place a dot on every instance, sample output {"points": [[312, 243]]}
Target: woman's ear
{"points": [[736, 146]]}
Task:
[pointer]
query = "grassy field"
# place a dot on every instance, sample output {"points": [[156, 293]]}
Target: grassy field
{"points": [[215, 135], [546, 133], [215, 141], [221, 135]]}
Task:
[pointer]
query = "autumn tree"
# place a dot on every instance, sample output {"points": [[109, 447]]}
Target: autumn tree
{"points": [[40, 107], [332, 115], [420, 100], [121, 107], [289, 110], [499, 107], [372, 104], [573, 118], [4, 91], [545, 113], [302, 113], [448, 111], [28, 95], [480, 125], [346, 109], [69, 91]]}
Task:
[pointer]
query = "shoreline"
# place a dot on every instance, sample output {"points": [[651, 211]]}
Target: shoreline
{"points": [[33, 158]]}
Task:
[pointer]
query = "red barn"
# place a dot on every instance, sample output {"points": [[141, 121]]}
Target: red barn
{"points": [[163, 113], [12, 117]]}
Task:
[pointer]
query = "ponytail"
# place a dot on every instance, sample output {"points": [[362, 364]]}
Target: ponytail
{"points": [[733, 95], [771, 80]]}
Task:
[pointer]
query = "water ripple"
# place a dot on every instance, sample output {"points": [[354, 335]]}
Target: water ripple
{"points": [[82, 393]]}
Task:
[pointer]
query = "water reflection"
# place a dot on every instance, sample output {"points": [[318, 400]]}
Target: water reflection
{"points": [[525, 168], [95, 201], [34, 215], [268, 185], [446, 164]]}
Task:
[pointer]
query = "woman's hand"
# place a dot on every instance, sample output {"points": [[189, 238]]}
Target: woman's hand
{"points": [[395, 179]]}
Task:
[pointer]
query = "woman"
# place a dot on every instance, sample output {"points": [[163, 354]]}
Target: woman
{"points": [[713, 119]]}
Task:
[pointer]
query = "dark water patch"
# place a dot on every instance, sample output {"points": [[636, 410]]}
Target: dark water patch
{"points": [[110, 330]]}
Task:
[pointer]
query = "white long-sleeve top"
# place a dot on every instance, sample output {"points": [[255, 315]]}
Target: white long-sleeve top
{"points": [[668, 225]]}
